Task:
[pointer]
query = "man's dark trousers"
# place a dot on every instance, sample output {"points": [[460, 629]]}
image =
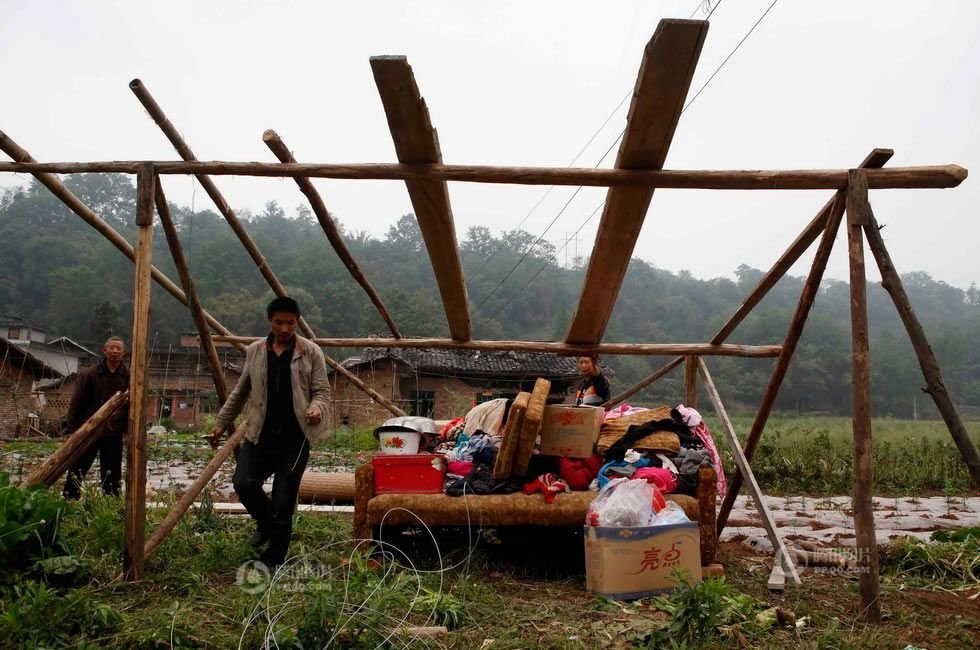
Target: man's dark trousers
{"points": [[109, 449], [284, 457]]}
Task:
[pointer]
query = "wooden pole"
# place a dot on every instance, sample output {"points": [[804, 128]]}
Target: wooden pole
{"points": [[691, 381], [189, 496], [629, 392], [197, 312], [935, 385], [783, 564], [330, 229], [135, 520], [919, 177], [554, 347], [170, 131], [54, 184], [75, 446], [874, 160], [793, 334], [866, 543]]}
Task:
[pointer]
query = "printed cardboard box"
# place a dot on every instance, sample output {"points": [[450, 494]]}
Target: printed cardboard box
{"points": [[570, 431], [629, 563]]}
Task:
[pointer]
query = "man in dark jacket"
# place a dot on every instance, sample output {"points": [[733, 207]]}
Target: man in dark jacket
{"points": [[95, 385]]}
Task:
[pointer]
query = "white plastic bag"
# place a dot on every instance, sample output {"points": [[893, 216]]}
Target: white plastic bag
{"points": [[622, 502], [671, 514]]}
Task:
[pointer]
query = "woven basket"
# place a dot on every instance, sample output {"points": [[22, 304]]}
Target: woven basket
{"points": [[663, 441]]}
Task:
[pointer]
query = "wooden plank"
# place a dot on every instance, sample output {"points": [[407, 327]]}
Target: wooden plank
{"points": [[197, 311], [918, 177], [807, 297], [170, 131], [782, 556], [330, 229], [661, 87], [691, 381], [135, 498], [416, 142], [75, 446], [54, 184], [935, 386], [866, 544], [562, 349]]}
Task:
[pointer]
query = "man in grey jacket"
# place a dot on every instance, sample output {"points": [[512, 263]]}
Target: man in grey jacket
{"points": [[285, 384]]}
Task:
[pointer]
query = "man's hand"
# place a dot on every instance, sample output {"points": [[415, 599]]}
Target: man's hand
{"points": [[214, 437], [313, 415]]}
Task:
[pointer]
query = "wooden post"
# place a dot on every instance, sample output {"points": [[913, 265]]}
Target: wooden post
{"points": [[935, 385], [866, 543], [135, 521], [783, 564], [807, 297], [330, 229], [75, 446], [189, 496], [54, 184], [691, 381], [197, 312]]}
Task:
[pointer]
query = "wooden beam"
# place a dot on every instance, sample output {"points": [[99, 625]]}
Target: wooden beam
{"points": [[330, 229], [691, 381], [643, 383], [197, 312], [54, 184], [935, 385], [554, 347], [416, 142], [876, 159], [793, 334], [135, 517], [75, 446], [782, 557], [920, 177], [661, 86], [866, 544], [190, 495], [170, 131]]}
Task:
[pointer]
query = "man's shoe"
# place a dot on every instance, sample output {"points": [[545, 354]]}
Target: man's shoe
{"points": [[258, 538]]}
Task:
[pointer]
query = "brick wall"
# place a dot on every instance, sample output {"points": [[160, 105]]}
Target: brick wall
{"points": [[16, 401]]}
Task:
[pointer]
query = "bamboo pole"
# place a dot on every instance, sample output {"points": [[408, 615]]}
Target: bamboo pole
{"points": [[212, 191], [197, 312], [75, 446], [864, 524], [691, 381], [918, 177], [931, 371], [793, 334], [874, 160], [189, 496], [135, 519], [783, 563], [336, 239], [54, 184], [554, 347]]}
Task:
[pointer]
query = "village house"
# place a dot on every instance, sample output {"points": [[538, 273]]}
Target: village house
{"points": [[20, 374], [443, 384]]}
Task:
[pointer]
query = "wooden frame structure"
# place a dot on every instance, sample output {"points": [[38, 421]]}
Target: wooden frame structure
{"points": [[668, 65]]}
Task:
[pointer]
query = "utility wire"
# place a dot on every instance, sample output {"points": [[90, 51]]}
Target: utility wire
{"points": [[688, 105]]}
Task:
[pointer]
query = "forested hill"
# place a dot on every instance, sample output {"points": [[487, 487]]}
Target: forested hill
{"points": [[59, 273]]}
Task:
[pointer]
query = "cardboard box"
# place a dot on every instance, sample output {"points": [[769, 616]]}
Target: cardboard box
{"points": [[629, 563], [409, 473], [570, 431]]}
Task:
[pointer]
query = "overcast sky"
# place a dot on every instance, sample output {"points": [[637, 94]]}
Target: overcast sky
{"points": [[816, 85]]}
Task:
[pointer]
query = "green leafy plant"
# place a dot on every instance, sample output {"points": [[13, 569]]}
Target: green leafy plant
{"points": [[29, 527], [35, 615]]}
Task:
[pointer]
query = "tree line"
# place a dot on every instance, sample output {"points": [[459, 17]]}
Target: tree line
{"points": [[57, 272]]}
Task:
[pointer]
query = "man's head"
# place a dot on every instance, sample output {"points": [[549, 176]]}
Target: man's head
{"points": [[114, 350], [283, 313]]}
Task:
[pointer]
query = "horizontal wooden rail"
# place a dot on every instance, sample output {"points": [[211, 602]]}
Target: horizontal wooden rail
{"points": [[562, 349], [936, 176]]}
